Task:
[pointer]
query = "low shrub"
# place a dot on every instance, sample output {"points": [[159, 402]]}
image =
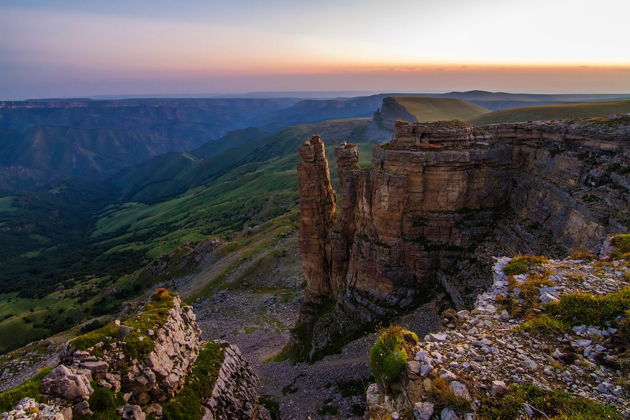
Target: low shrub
{"points": [[108, 332], [621, 244], [389, 354], [137, 343], [557, 405], [587, 309], [104, 403], [522, 264], [545, 325]]}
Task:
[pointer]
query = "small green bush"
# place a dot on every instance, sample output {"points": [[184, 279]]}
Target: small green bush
{"points": [[545, 325], [102, 399], [587, 309], [621, 244], [556, 405], [30, 388], [522, 264], [388, 355], [104, 403]]}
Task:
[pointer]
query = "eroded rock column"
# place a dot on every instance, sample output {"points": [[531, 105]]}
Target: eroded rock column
{"points": [[317, 207], [341, 237]]}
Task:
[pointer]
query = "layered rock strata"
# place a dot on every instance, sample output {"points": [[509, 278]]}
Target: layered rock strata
{"points": [[440, 199], [317, 205]]}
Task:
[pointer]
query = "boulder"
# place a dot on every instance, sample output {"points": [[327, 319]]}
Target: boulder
{"points": [[460, 390], [423, 410], [132, 412], [498, 388], [67, 384]]}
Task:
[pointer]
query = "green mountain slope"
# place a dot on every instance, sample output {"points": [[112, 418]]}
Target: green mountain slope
{"points": [[86, 269], [171, 174], [554, 112], [428, 109]]}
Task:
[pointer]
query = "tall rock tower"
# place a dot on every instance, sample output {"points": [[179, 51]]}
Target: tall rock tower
{"points": [[317, 207]]}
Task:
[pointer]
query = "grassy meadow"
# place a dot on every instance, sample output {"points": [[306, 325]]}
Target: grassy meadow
{"points": [[554, 112]]}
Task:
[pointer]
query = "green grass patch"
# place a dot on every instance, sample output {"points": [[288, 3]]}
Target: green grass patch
{"points": [[554, 112], [543, 324], [389, 354], [30, 388], [587, 309], [137, 343], [428, 109], [555, 405], [187, 405], [621, 244], [522, 264]]}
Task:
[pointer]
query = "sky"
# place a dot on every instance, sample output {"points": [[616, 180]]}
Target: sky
{"points": [[71, 48]]}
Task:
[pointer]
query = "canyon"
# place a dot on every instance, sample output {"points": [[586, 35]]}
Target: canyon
{"points": [[439, 201]]}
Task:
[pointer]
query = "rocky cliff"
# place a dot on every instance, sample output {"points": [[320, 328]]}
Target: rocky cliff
{"points": [[151, 364], [440, 199]]}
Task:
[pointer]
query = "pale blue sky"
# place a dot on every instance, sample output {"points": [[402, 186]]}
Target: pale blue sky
{"points": [[82, 47]]}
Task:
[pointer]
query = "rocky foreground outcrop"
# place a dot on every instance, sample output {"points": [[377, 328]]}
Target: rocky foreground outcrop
{"points": [[517, 354], [438, 202], [147, 358], [148, 364]]}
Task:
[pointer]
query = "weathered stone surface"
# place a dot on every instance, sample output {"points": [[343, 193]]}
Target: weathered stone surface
{"points": [[67, 384], [234, 395], [317, 212], [423, 411], [132, 412]]}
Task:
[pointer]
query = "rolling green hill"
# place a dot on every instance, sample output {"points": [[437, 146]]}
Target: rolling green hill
{"points": [[554, 112], [428, 109], [421, 109], [173, 173]]}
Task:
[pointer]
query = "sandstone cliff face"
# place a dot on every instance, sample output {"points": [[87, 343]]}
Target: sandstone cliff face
{"points": [[440, 199]]}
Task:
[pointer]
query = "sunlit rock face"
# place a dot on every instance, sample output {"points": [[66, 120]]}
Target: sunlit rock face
{"points": [[439, 201]]}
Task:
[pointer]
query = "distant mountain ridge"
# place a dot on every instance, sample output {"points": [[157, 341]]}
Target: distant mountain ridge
{"points": [[43, 141]]}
